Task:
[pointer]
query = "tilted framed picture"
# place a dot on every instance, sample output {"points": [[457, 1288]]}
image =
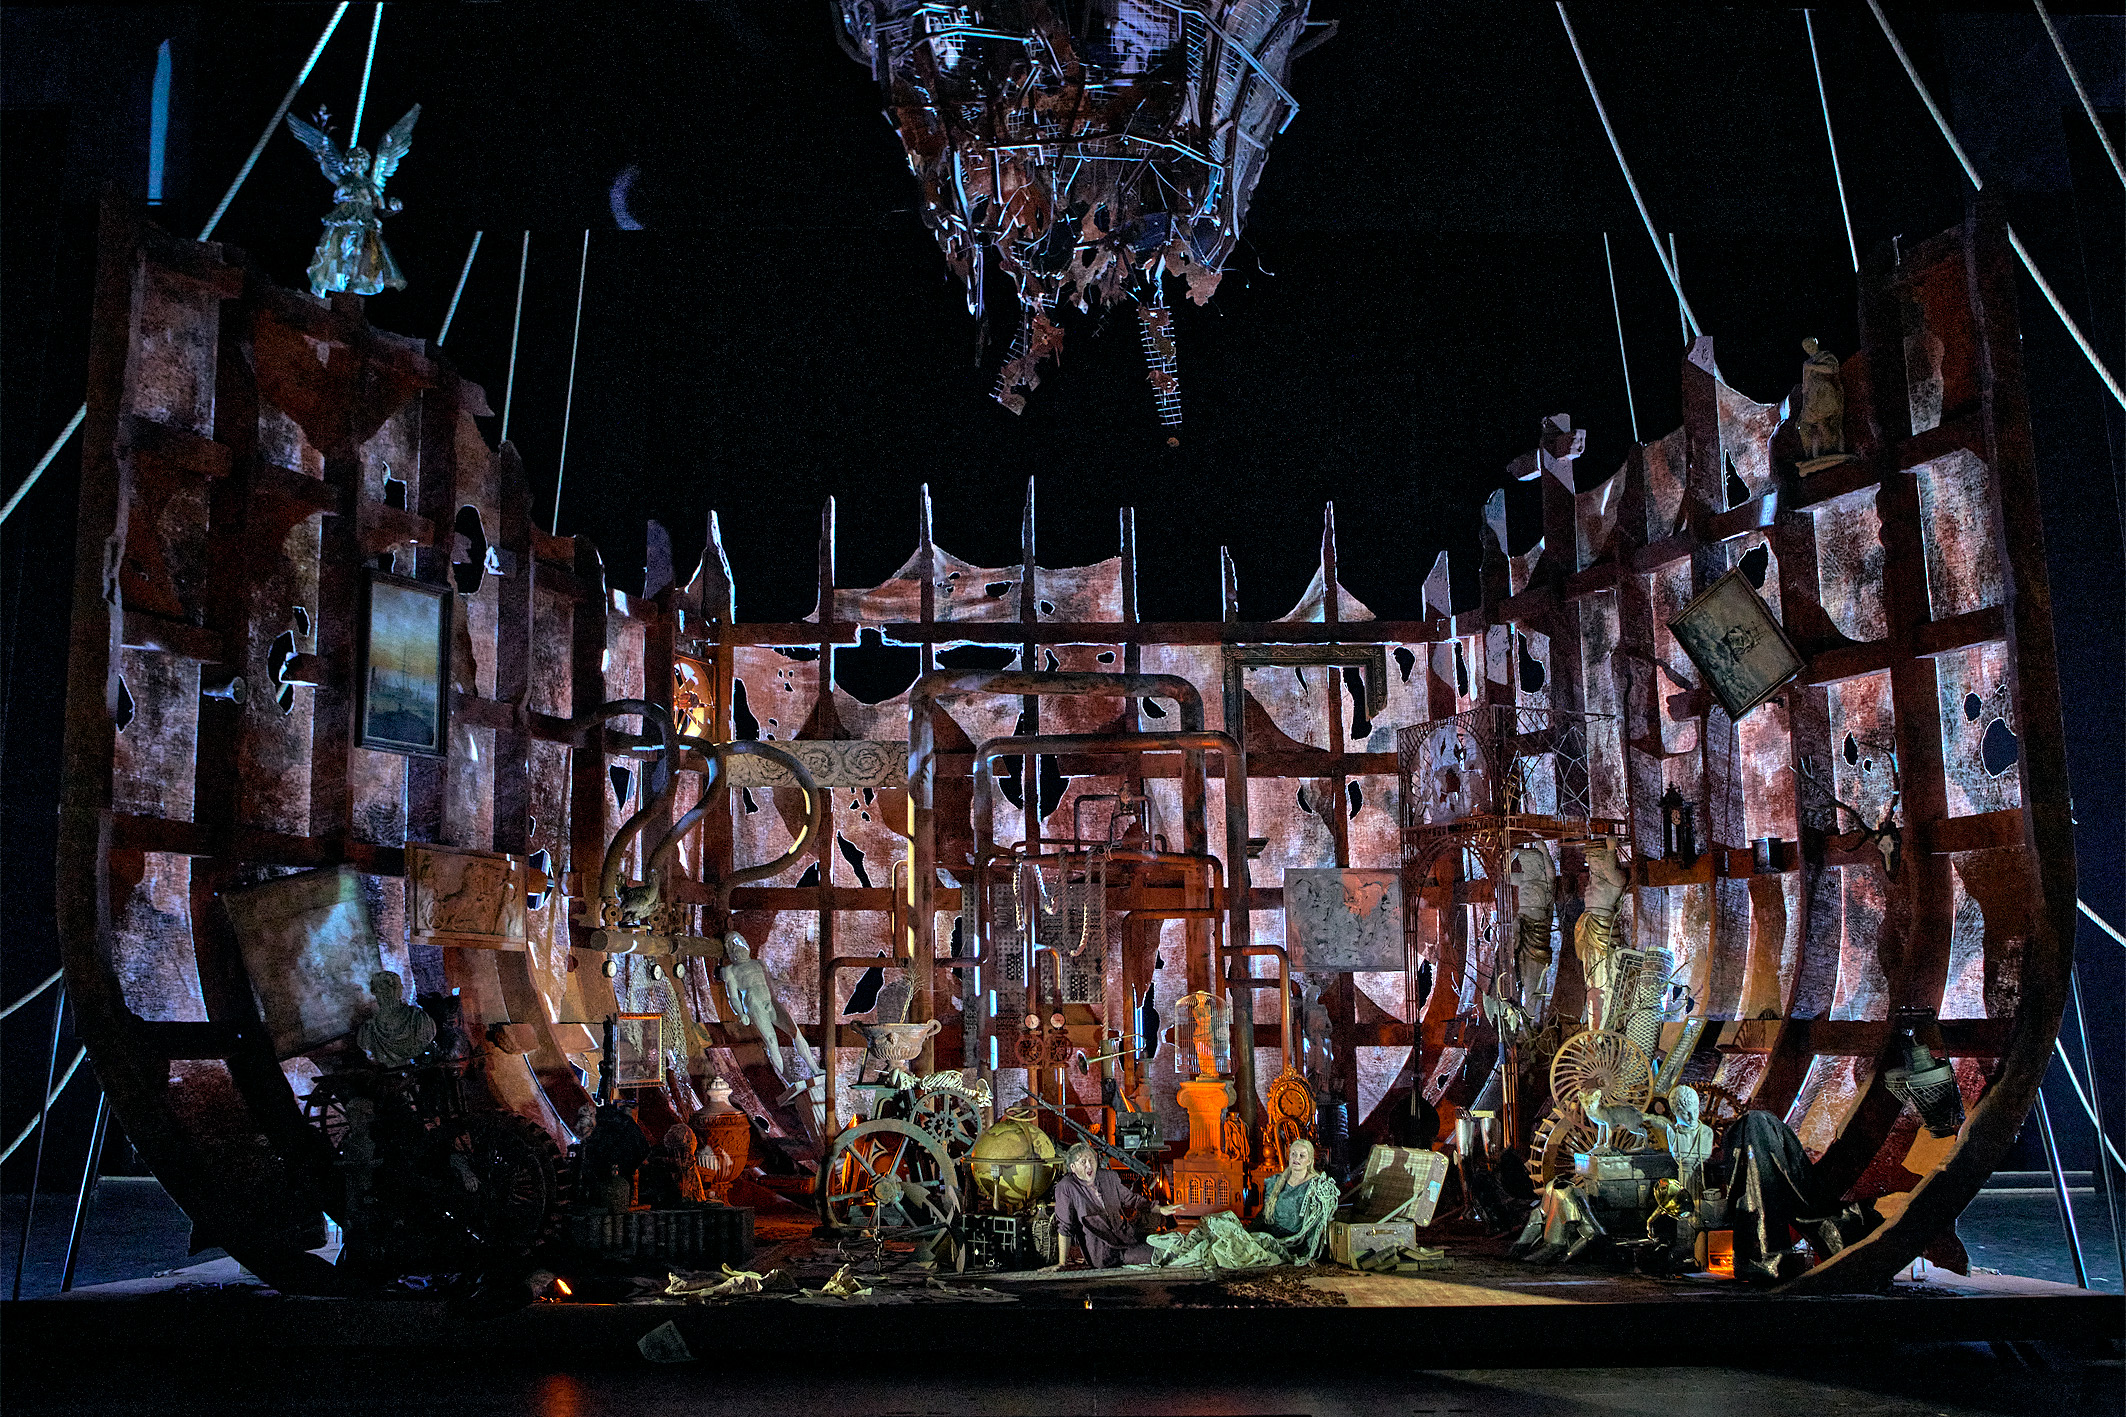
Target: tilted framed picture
{"points": [[1730, 634], [402, 698]]}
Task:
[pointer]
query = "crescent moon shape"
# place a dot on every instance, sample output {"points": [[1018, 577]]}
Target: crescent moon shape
{"points": [[622, 186]]}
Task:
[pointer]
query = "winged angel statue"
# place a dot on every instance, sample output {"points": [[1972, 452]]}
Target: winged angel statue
{"points": [[351, 255]]}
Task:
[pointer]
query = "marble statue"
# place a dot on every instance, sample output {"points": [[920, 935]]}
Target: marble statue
{"points": [[1821, 421], [751, 989], [398, 1032]]}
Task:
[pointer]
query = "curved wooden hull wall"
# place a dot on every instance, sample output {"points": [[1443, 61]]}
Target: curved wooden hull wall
{"points": [[237, 452]]}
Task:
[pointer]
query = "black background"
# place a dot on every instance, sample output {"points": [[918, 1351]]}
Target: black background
{"points": [[1420, 281]]}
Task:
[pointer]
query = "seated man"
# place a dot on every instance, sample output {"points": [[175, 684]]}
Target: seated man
{"points": [[1096, 1216]]}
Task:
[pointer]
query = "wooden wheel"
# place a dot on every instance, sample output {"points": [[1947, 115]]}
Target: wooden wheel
{"points": [[887, 1176], [1719, 1108], [1601, 1058], [950, 1118], [519, 1203]]}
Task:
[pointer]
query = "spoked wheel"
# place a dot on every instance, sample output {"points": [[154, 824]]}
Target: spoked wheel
{"points": [[883, 1176], [950, 1118], [1719, 1108], [1601, 1058], [519, 1203]]}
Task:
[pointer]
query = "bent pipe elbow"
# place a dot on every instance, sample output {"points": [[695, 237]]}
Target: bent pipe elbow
{"points": [[658, 717], [815, 809]]}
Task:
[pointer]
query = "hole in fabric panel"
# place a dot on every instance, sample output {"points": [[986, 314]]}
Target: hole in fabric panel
{"points": [[989, 657], [854, 855], [875, 671], [1973, 707], [1756, 563], [1533, 675], [468, 572], [745, 797], [743, 723], [811, 875], [1461, 670], [125, 706], [1358, 798], [623, 783], [1405, 661], [2000, 748]]}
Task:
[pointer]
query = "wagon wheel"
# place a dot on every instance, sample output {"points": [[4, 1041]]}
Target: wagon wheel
{"points": [[1601, 1058], [519, 1203], [1557, 1137], [887, 1176], [950, 1118], [1719, 1108], [326, 1110]]}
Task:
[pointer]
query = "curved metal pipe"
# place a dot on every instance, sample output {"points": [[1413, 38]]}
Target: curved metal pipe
{"points": [[922, 776], [815, 809], [658, 717]]}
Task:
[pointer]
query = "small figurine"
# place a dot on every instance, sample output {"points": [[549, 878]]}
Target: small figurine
{"points": [[612, 1154], [1608, 1119], [398, 1032], [352, 256], [1202, 1027], [752, 993], [641, 905], [1821, 421]]}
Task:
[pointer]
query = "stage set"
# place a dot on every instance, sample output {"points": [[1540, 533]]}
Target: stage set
{"points": [[1683, 925]]}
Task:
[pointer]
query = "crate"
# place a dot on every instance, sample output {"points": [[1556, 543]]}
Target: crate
{"points": [[1352, 1240], [1402, 1182], [698, 1236]]}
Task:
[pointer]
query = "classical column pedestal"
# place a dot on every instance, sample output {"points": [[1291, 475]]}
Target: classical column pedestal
{"points": [[1206, 1180]]}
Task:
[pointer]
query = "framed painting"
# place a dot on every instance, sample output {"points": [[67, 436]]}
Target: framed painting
{"points": [[402, 704], [308, 946], [1730, 634]]}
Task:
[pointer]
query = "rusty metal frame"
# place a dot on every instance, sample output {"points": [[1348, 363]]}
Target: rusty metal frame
{"points": [[232, 470]]}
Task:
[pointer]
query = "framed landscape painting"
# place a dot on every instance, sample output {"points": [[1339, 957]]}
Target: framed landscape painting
{"points": [[402, 703]]}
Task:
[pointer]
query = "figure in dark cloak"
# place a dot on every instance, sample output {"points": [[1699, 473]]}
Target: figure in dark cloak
{"points": [[1771, 1186], [352, 256]]}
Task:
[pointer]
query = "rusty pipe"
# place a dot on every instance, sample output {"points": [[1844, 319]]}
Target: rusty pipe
{"points": [[658, 717], [922, 773], [815, 827], [1284, 992], [1194, 742]]}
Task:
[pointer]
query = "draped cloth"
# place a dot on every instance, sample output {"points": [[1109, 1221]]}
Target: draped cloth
{"points": [[1222, 1242], [1771, 1186]]}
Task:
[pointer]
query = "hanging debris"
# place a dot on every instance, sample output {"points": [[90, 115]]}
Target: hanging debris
{"points": [[351, 255], [1086, 159]]}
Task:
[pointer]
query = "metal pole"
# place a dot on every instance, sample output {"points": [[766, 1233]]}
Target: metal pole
{"points": [[1631, 405], [1837, 178], [2096, 1105], [2081, 93], [456, 295], [2059, 1190], [568, 402], [361, 100], [44, 1107], [516, 325], [91, 1176], [1667, 269]]}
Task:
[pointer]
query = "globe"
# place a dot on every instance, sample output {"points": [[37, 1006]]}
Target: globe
{"points": [[1013, 1165]]}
